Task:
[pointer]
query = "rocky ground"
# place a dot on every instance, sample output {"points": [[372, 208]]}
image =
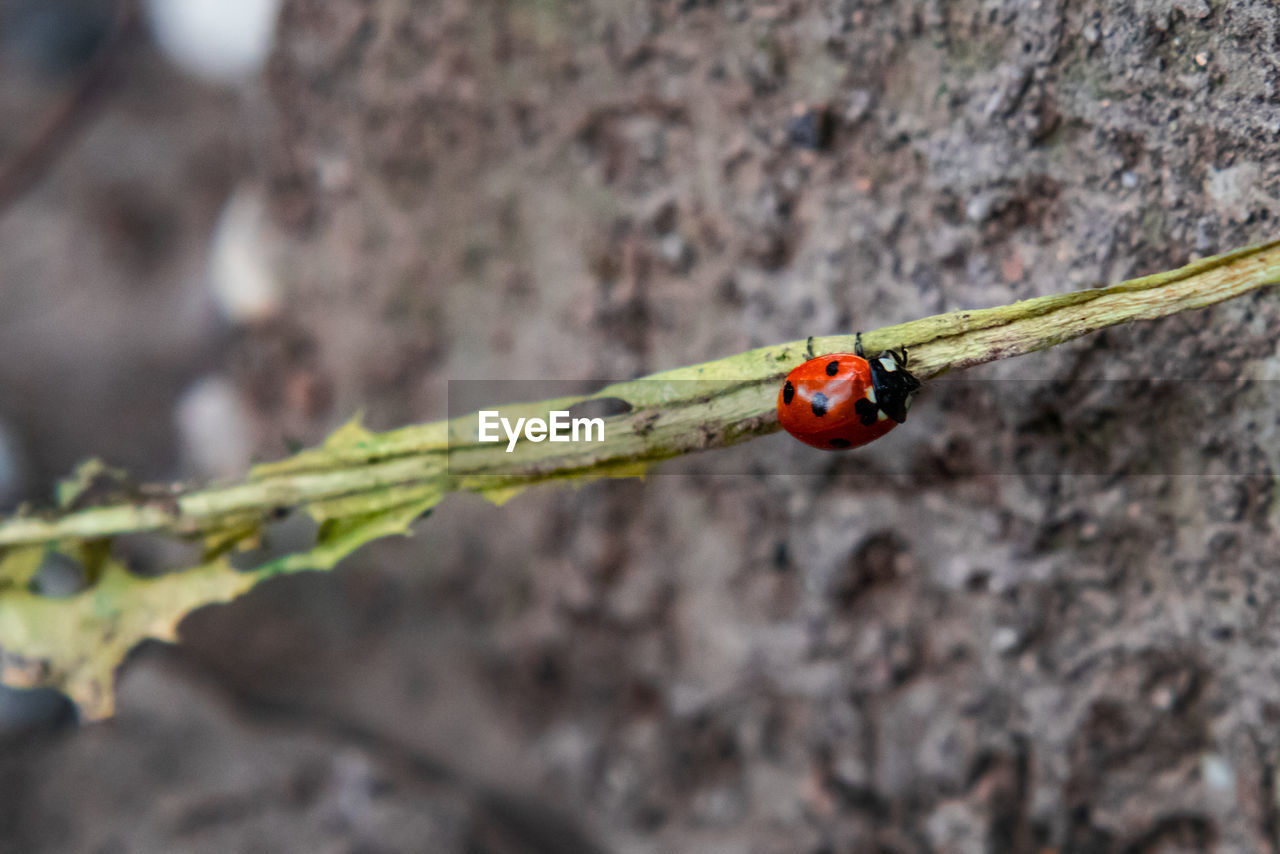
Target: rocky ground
{"points": [[1041, 616]]}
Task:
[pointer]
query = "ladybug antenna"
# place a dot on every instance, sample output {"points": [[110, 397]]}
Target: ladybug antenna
{"points": [[857, 346]]}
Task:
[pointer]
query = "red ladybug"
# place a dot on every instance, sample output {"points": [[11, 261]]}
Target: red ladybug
{"points": [[843, 400]]}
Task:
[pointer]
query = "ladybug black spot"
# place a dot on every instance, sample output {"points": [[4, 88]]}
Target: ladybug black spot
{"points": [[840, 443], [833, 368], [867, 412], [788, 392], [819, 404]]}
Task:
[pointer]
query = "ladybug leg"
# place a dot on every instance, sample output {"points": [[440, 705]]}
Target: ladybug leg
{"points": [[808, 346], [857, 346]]}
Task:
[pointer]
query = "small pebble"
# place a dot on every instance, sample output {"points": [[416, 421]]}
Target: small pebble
{"points": [[214, 428], [241, 273], [1218, 774], [675, 251], [1005, 640], [1206, 235], [981, 207], [858, 106], [223, 41], [1235, 191]]}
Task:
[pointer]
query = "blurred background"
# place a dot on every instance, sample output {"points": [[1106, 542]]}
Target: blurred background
{"points": [[227, 226]]}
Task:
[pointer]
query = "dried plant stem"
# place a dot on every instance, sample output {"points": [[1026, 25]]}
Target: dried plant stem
{"points": [[710, 405], [361, 486]]}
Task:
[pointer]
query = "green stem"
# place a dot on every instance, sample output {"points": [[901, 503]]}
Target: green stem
{"points": [[362, 486], [710, 405]]}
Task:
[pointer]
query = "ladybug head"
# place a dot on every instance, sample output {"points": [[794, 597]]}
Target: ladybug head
{"points": [[893, 383]]}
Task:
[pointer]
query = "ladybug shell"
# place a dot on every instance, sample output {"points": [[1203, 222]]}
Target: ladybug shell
{"points": [[830, 403]]}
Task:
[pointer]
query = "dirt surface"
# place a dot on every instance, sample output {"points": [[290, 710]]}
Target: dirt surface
{"points": [[1042, 616]]}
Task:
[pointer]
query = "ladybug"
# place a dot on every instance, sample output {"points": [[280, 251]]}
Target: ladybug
{"points": [[843, 400]]}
